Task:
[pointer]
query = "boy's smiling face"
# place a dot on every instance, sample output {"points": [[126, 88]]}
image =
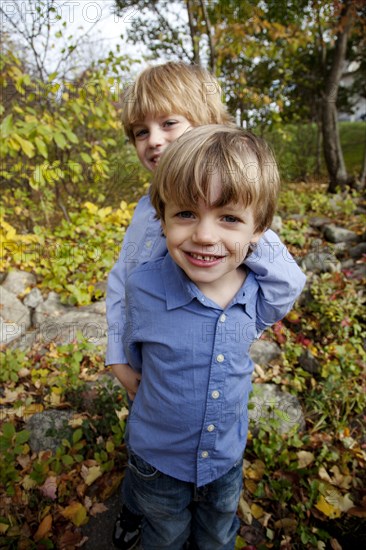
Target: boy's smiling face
{"points": [[154, 133], [210, 243]]}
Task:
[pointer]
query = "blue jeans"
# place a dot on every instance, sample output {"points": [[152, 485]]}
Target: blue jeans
{"points": [[177, 511]]}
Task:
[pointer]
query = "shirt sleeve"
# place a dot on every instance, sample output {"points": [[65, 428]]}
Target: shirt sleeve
{"points": [[115, 302], [279, 278]]}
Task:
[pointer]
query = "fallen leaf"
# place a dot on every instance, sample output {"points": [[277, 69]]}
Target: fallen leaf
{"points": [[89, 475], [304, 458], [257, 511], [44, 528], [250, 486], [289, 525], [76, 513], [244, 510], [327, 509], [255, 470], [3, 528], [357, 511], [335, 544], [98, 508], [49, 488]]}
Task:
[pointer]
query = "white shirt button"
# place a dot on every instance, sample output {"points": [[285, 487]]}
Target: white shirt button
{"points": [[220, 357], [210, 428], [204, 454], [215, 394], [222, 318], [148, 244], [202, 299]]}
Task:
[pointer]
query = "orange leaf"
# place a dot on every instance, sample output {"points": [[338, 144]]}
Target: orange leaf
{"points": [[44, 528]]}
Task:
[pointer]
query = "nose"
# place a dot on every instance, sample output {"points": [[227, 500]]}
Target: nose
{"points": [[155, 137], [204, 233]]}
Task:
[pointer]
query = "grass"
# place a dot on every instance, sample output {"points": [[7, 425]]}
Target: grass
{"points": [[295, 149]]}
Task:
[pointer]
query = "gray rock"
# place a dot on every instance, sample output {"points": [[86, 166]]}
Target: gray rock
{"points": [[48, 428], [357, 251], [75, 324], [309, 363], [269, 403], [18, 281], [15, 315], [276, 225], [34, 298], [319, 221], [50, 309], [336, 234], [263, 351], [9, 332], [26, 341], [320, 262]]}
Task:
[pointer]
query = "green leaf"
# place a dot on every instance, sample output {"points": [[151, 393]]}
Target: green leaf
{"points": [[77, 435], [67, 460], [8, 430], [60, 140], [22, 437], [86, 158], [41, 146], [27, 146], [6, 126]]}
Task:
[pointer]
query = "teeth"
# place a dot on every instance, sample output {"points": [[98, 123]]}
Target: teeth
{"points": [[204, 258]]}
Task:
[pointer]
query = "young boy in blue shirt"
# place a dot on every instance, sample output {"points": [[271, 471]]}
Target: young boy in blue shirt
{"points": [[164, 102], [191, 318]]}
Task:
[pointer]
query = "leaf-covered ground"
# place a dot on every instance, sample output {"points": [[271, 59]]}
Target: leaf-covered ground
{"points": [[300, 490]]}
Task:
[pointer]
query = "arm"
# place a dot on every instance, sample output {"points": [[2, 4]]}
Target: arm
{"points": [[116, 316], [143, 240], [279, 277], [129, 379]]}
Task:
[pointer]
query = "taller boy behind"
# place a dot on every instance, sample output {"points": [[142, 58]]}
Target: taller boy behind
{"points": [[192, 316]]}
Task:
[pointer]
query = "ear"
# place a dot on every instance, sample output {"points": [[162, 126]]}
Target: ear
{"points": [[256, 237]]}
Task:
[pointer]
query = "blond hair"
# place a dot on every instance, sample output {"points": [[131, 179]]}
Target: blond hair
{"points": [[174, 88], [244, 163]]}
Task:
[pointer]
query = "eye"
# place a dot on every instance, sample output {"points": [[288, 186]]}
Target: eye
{"points": [[140, 133], [230, 219], [185, 215], [170, 122]]}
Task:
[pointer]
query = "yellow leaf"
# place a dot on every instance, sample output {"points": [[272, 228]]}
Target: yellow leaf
{"points": [[250, 486], [3, 528], [44, 528], [305, 458], [91, 207], [28, 483], [255, 470], [327, 509], [256, 511], [89, 475], [32, 409], [76, 513]]}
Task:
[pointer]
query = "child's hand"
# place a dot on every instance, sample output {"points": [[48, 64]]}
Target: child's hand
{"points": [[129, 379]]}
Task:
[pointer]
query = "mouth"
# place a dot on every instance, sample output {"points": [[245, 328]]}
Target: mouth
{"points": [[154, 159], [206, 260]]}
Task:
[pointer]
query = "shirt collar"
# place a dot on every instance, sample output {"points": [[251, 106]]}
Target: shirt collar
{"points": [[177, 285]]}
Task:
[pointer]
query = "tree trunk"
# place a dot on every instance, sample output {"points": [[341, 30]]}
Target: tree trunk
{"points": [[333, 154]]}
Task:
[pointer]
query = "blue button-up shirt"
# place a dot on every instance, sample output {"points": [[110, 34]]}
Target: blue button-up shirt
{"points": [[189, 418], [272, 264]]}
